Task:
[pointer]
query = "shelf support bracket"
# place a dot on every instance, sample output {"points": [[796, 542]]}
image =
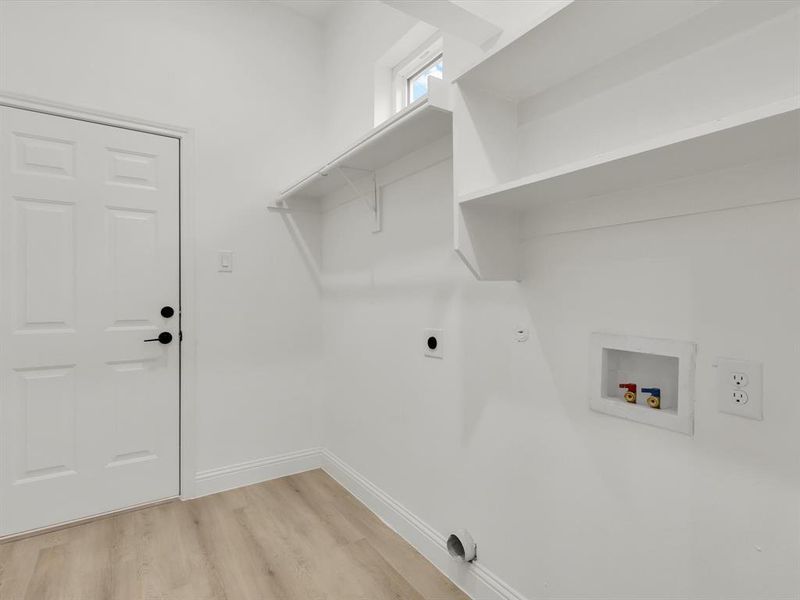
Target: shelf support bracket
{"points": [[374, 205]]}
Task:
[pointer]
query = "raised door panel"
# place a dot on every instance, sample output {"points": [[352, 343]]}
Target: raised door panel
{"points": [[41, 155], [132, 169], [135, 412], [133, 250], [43, 420], [45, 266]]}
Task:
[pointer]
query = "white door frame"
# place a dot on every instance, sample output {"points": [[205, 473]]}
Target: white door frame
{"points": [[188, 349]]}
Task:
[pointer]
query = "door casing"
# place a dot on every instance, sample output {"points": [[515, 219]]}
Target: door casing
{"points": [[187, 227]]}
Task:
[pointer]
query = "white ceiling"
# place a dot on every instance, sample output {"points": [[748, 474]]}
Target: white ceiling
{"points": [[318, 10]]}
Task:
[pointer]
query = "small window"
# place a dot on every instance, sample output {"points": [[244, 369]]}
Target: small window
{"points": [[417, 84], [412, 75]]}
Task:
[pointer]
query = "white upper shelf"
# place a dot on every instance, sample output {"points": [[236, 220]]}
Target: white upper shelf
{"points": [[579, 36], [411, 128], [758, 134]]}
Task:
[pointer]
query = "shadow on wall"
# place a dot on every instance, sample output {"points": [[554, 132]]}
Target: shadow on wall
{"points": [[304, 223]]}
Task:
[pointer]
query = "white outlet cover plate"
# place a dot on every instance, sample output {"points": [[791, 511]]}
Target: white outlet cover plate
{"points": [[754, 388], [437, 352]]}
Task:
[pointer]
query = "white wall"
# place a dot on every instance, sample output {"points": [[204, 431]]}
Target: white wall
{"points": [[498, 436], [356, 35], [246, 77], [715, 516]]}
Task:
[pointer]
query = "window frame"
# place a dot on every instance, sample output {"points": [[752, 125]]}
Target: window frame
{"points": [[415, 74], [422, 58]]}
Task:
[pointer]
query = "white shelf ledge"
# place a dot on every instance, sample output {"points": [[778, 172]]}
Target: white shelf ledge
{"points": [[410, 129], [585, 33], [767, 131]]}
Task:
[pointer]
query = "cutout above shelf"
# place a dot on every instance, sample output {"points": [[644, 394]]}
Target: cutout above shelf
{"points": [[765, 132]]}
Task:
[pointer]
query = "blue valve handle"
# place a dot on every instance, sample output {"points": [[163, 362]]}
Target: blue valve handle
{"points": [[652, 391]]}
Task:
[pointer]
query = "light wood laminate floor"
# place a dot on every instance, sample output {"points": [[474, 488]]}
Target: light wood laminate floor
{"points": [[297, 538]]}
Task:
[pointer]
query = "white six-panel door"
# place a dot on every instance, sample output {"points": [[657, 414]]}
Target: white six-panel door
{"points": [[89, 411]]}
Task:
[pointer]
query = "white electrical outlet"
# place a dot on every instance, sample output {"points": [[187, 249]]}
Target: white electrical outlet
{"points": [[739, 379], [433, 342], [740, 388], [739, 397]]}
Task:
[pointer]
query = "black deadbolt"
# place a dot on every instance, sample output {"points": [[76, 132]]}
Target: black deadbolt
{"points": [[432, 343], [165, 337], [167, 312]]}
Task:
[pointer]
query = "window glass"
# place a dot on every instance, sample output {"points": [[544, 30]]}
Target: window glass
{"points": [[418, 83]]}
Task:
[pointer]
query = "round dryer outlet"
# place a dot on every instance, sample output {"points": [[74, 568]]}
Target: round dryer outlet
{"points": [[433, 343]]}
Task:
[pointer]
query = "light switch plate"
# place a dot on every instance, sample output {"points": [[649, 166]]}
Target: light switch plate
{"points": [[740, 388], [225, 262]]}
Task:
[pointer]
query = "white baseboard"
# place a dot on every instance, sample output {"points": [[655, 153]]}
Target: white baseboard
{"points": [[474, 579], [256, 471]]}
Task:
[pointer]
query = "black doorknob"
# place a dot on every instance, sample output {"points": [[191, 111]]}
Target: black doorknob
{"points": [[165, 337], [167, 312]]}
